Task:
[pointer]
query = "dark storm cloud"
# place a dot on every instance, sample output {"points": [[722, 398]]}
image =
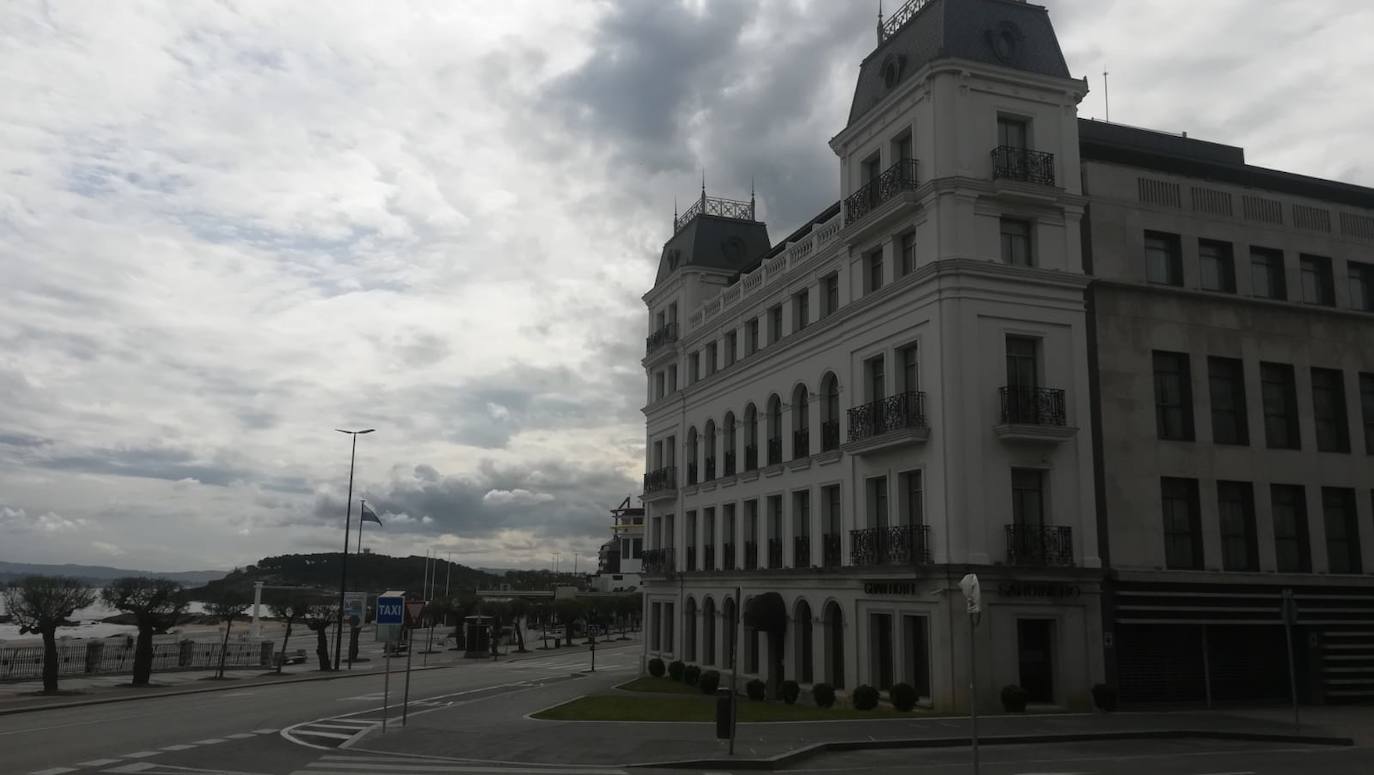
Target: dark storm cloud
{"points": [[167, 463]]}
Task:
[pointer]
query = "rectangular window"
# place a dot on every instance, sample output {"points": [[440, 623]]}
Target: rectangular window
{"points": [[801, 310], [1028, 500], [1173, 396], [711, 358], [1280, 395], [1328, 410], [833, 515], [1367, 409], [751, 336], [775, 531], [1317, 284], [877, 501], [911, 499], [906, 251], [1342, 530], [830, 294], [1016, 242], [1217, 265], [1266, 274], [672, 314], [873, 269], [906, 358], [1361, 285], [693, 368], [870, 169], [801, 513], [655, 627], [1163, 258], [1226, 378], [774, 323], [1182, 524], [731, 347], [1023, 357], [1290, 528], [1011, 132], [660, 381], [877, 379], [670, 451], [1236, 512], [672, 378], [901, 147]]}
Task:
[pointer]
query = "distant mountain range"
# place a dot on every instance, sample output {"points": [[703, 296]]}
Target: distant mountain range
{"points": [[98, 573]]}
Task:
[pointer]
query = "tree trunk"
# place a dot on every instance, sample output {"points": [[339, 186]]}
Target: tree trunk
{"points": [[143, 655], [284, 640], [49, 660], [519, 636], [224, 648], [322, 647]]}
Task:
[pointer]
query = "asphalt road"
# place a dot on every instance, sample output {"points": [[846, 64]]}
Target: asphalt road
{"points": [[262, 729]]}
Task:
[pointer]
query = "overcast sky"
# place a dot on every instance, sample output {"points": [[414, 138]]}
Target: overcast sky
{"points": [[227, 228]]}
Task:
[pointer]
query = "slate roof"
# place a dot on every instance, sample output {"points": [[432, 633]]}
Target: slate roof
{"points": [[962, 29], [714, 242]]}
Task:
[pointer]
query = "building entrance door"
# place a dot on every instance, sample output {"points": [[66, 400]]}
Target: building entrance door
{"points": [[1035, 653]]}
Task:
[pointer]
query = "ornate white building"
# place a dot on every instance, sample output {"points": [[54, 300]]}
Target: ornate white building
{"points": [[909, 388]]}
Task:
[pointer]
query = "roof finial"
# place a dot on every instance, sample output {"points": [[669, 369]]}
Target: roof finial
{"points": [[703, 190], [674, 212], [752, 217], [880, 22]]}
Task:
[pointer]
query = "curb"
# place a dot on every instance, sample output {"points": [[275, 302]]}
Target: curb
{"points": [[199, 690], [794, 756]]}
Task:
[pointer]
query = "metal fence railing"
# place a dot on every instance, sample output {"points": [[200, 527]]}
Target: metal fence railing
{"points": [[113, 656]]}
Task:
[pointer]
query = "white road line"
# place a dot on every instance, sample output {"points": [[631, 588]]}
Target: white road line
{"points": [[341, 724], [1247, 772], [264, 731], [240, 735], [334, 735], [339, 768], [177, 747], [141, 754], [211, 741], [54, 771], [135, 767], [97, 762]]}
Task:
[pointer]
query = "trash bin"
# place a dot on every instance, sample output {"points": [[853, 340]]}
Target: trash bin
{"points": [[723, 716]]}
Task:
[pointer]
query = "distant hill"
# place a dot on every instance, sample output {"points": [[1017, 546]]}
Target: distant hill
{"points": [[99, 573]]}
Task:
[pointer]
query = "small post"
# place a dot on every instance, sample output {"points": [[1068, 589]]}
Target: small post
{"points": [[388, 646], [734, 671], [1290, 616], [405, 700]]}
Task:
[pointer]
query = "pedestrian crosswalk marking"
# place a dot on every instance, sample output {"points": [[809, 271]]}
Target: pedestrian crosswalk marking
{"points": [[321, 734]]}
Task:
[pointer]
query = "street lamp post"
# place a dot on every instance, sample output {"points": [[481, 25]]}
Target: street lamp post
{"points": [[348, 520]]}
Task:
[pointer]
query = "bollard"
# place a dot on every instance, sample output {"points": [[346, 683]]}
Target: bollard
{"points": [[723, 719]]}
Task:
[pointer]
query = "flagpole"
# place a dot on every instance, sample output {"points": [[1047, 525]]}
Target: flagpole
{"points": [[362, 501]]}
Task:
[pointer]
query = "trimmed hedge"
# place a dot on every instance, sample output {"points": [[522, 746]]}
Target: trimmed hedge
{"points": [[865, 697], [903, 696], [1013, 699], [675, 669], [691, 675], [710, 682], [791, 690], [656, 667], [756, 689], [824, 695]]}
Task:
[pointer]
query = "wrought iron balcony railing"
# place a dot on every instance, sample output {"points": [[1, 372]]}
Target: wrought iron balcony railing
{"points": [[692, 472], [660, 480], [891, 545], [774, 451], [751, 555], [709, 560], [1023, 164], [775, 552], [691, 558], [890, 182], [729, 464], [728, 556], [830, 435], [801, 444], [710, 469], [1032, 406], [899, 412], [710, 205], [660, 338], [830, 550], [1040, 545], [751, 457], [801, 551], [658, 562]]}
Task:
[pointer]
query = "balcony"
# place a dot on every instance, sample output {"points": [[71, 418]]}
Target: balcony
{"points": [[709, 552], [1042, 546], [801, 551], [658, 562], [801, 443], [710, 469], [891, 545], [751, 555], [660, 339], [830, 550], [893, 421], [727, 556], [1023, 164], [830, 435], [692, 472], [661, 483], [775, 552], [751, 457], [729, 464], [1033, 414], [775, 451], [889, 183]]}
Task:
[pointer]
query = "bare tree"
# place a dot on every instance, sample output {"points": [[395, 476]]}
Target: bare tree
{"points": [[290, 611], [319, 617], [227, 604], [41, 604], [156, 605]]}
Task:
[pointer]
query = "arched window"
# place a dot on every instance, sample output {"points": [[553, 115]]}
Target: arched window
{"points": [[729, 652], [751, 438], [834, 645], [830, 412], [710, 451], [708, 632], [692, 455], [801, 423], [729, 431], [774, 429], [689, 630], [804, 647]]}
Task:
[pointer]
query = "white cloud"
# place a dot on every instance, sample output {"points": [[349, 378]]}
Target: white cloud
{"points": [[108, 548], [516, 498]]}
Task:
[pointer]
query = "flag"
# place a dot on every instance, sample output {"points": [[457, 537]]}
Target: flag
{"points": [[369, 515]]}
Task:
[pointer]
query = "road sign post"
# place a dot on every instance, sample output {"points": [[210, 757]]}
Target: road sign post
{"points": [[386, 687], [390, 615], [973, 596], [413, 610]]}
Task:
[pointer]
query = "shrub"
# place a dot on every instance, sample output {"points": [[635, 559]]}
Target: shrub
{"points": [[1013, 699], [823, 694], [755, 689], [1104, 697], [710, 682], [676, 669], [865, 697], [791, 690], [656, 667], [903, 696], [691, 675]]}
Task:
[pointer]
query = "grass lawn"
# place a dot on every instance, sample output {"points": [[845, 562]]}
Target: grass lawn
{"points": [[608, 707], [660, 685]]}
